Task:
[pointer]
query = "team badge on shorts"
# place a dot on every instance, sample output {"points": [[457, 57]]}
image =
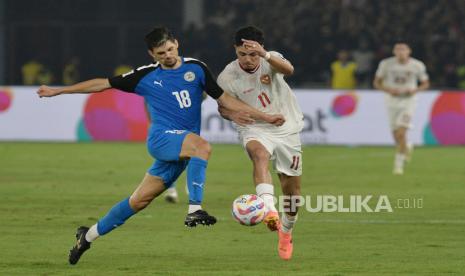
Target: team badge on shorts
{"points": [[265, 79], [189, 76]]}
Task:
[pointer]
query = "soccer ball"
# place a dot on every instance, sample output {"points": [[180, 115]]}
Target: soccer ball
{"points": [[248, 209]]}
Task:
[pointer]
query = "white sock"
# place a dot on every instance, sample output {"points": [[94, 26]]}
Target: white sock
{"points": [[193, 208], [399, 160], [410, 146], [287, 222], [266, 192], [408, 155], [92, 234], [172, 192]]}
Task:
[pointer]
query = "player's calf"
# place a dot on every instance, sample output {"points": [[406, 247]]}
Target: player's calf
{"points": [[409, 154], [399, 162]]}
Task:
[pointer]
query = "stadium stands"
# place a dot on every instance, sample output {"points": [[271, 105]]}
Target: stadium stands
{"points": [[309, 32]]}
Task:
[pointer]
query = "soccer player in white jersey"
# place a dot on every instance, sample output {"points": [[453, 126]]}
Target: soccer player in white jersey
{"points": [[257, 78], [399, 77]]}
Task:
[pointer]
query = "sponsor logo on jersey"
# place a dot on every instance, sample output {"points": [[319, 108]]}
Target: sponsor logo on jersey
{"points": [[175, 131], [189, 76], [248, 90], [158, 83]]}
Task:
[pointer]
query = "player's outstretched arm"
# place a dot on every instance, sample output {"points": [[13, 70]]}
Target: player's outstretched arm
{"points": [[90, 86], [236, 106]]}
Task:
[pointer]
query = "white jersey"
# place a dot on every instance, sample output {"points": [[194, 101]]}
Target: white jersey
{"points": [[401, 76], [266, 90]]}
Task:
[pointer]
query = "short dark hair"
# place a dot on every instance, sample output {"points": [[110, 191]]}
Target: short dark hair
{"points": [[158, 36], [401, 41], [249, 33]]}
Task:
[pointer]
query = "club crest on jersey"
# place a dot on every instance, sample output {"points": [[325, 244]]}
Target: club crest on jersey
{"points": [[189, 76], [265, 79]]}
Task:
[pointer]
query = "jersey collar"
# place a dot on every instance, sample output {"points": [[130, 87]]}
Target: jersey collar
{"points": [[180, 66], [249, 71]]}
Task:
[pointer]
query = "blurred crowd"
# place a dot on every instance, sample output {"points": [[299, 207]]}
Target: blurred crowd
{"points": [[313, 34]]}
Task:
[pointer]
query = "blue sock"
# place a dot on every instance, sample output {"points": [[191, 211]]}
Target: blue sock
{"points": [[116, 217], [196, 179]]}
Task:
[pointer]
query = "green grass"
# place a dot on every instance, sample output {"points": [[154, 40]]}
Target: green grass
{"points": [[47, 190]]}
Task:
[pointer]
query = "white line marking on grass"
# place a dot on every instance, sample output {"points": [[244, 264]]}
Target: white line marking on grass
{"points": [[372, 221], [381, 221], [351, 156]]}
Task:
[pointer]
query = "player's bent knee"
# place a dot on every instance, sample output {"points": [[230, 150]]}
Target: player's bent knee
{"points": [[400, 137], [203, 149], [260, 156], [139, 203]]}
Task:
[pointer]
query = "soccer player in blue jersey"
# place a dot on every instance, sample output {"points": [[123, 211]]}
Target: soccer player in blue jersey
{"points": [[172, 87]]}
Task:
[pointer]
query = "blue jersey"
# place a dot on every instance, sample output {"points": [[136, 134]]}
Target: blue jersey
{"points": [[173, 96]]}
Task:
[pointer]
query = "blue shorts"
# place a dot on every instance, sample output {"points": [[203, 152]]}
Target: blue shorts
{"points": [[165, 146], [168, 171]]}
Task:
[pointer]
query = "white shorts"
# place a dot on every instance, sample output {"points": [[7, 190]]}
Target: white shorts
{"points": [[286, 152], [400, 111]]}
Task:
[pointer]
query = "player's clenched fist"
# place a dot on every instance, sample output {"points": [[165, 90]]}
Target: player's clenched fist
{"points": [[277, 119], [254, 46], [45, 91], [239, 117]]}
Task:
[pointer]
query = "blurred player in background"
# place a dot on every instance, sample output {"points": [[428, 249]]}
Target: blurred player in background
{"points": [[399, 76], [257, 78], [172, 87]]}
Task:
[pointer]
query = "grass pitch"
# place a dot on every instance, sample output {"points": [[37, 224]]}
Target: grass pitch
{"points": [[47, 190]]}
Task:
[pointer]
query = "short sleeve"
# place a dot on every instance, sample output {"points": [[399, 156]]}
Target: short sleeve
{"points": [[381, 71], [279, 55], [211, 87], [128, 81], [224, 82], [422, 75]]}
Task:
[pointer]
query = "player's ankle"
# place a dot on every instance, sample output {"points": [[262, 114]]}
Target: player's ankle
{"points": [[92, 234], [194, 208], [266, 192], [287, 223]]}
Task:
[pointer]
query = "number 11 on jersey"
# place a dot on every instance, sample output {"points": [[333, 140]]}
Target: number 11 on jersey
{"points": [[183, 98], [263, 97]]}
